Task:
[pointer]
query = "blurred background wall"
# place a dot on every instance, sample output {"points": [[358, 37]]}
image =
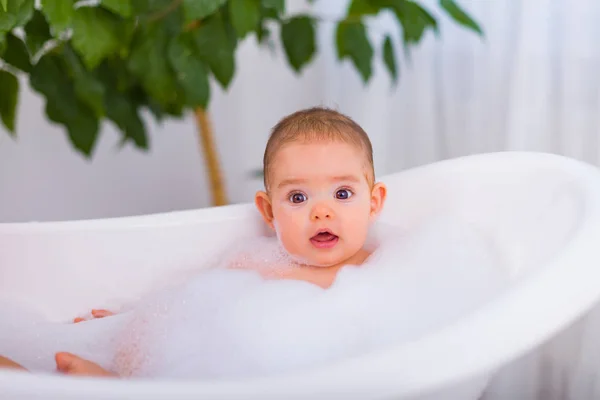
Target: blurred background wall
{"points": [[531, 84]]}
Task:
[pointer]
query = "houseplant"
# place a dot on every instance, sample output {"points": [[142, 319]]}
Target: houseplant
{"points": [[102, 60]]}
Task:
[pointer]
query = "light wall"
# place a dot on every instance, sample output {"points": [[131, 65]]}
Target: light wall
{"points": [[530, 84]]}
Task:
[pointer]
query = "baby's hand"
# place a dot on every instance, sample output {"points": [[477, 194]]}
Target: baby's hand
{"points": [[71, 364], [95, 314]]}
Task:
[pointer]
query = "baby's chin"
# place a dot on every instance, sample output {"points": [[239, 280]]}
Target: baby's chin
{"points": [[316, 261], [308, 261], [323, 265], [322, 262]]}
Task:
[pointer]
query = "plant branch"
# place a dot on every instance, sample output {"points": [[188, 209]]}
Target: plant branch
{"points": [[165, 11], [192, 25], [209, 148]]}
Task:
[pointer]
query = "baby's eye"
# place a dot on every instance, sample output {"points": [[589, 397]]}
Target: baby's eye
{"points": [[297, 198], [343, 194]]}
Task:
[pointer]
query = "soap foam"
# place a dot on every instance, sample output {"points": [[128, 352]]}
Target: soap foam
{"points": [[231, 323]]}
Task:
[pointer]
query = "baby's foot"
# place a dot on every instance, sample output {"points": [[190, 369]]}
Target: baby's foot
{"points": [[8, 363], [95, 314], [71, 364]]}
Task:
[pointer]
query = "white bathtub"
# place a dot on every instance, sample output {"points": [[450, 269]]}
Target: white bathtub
{"points": [[543, 209]]}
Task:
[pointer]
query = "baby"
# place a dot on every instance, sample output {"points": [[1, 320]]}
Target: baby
{"points": [[320, 193], [320, 198]]}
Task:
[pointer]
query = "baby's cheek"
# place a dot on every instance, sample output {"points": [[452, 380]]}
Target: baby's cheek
{"points": [[357, 225], [356, 214], [293, 221], [288, 229]]}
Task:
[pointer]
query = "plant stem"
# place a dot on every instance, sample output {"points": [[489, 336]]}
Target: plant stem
{"points": [[164, 12], [211, 157]]}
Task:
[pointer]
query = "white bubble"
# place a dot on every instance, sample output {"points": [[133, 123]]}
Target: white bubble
{"points": [[226, 323]]}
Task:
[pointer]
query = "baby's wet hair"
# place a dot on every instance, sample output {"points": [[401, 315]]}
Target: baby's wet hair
{"points": [[317, 124]]}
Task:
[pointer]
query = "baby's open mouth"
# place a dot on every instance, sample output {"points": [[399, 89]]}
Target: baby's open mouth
{"points": [[324, 239]]}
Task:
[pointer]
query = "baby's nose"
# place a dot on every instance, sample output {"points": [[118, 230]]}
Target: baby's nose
{"points": [[321, 212]]}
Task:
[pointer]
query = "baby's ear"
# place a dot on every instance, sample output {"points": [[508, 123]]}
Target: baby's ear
{"points": [[378, 196], [263, 204]]}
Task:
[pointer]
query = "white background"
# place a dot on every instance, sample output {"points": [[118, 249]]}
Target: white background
{"points": [[531, 84]]}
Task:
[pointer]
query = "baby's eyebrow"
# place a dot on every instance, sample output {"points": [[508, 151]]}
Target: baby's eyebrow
{"points": [[299, 181], [347, 178], [289, 182]]}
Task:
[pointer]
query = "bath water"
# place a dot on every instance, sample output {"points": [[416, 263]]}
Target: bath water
{"points": [[231, 323]]}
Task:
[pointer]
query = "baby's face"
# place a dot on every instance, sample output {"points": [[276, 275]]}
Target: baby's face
{"points": [[320, 202]]}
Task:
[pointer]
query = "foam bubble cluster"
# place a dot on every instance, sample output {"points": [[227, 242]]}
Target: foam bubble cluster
{"points": [[231, 323]]}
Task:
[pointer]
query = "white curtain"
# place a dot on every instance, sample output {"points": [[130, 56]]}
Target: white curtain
{"points": [[530, 84]]}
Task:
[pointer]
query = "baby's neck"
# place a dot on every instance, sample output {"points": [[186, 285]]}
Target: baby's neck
{"points": [[357, 259], [320, 276], [323, 276]]}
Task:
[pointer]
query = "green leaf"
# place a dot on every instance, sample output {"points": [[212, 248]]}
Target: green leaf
{"points": [[199, 9], [389, 58], [149, 63], [7, 22], [2, 44], [96, 34], [143, 7], [172, 22], [87, 87], [269, 13], [18, 13], [90, 91], [4, 4], [50, 78], [174, 109], [59, 14], [37, 32], [25, 11], [16, 53], [190, 71], [123, 99], [362, 7], [82, 128], [216, 48], [352, 42], [121, 7], [228, 27], [298, 37], [460, 16], [263, 33], [156, 111], [278, 5], [123, 112], [9, 100], [141, 98], [414, 19], [245, 15]]}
